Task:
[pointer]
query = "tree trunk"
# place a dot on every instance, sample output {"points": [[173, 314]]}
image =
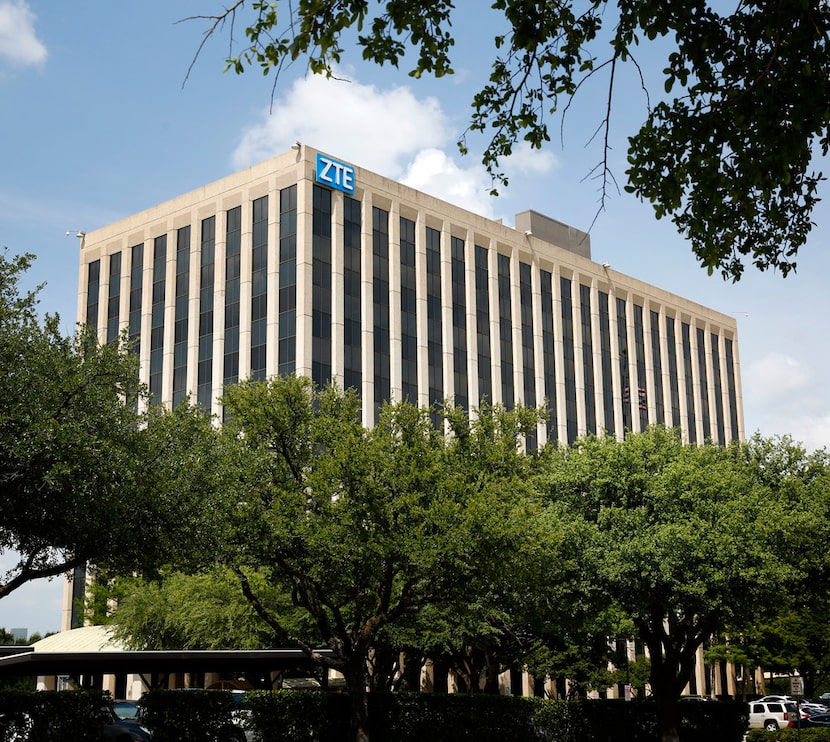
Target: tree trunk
{"points": [[667, 719], [491, 678], [358, 706]]}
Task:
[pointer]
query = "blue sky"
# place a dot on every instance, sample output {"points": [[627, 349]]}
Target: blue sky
{"points": [[97, 124]]}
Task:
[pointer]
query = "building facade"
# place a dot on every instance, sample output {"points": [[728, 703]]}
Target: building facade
{"points": [[306, 264]]}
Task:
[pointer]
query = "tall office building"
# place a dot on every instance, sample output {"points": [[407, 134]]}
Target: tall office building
{"points": [[306, 264]]}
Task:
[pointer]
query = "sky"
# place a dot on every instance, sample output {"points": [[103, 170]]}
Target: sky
{"points": [[104, 116]]}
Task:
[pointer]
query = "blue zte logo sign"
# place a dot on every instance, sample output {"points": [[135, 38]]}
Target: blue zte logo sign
{"points": [[335, 174]]}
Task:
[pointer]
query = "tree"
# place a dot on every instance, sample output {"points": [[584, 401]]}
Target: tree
{"points": [[476, 627], [203, 610], [684, 540], [363, 528], [726, 151], [84, 475], [491, 623], [793, 638]]}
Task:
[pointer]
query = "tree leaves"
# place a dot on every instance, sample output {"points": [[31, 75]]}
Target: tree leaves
{"points": [[84, 474], [727, 155]]}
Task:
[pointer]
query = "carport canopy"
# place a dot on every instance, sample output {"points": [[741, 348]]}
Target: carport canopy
{"points": [[91, 650]]}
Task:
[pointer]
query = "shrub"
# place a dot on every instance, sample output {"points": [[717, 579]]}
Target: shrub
{"points": [[62, 716], [789, 735], [193, 715]]}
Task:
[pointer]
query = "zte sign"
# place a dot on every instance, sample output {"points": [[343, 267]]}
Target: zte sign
{"points": [[335, 174]]}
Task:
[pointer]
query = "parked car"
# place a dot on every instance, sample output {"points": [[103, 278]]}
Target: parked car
{"points": [[124, 730], [242, 716], [772, 715], [816, 720], [125, 709], [774, 698]]}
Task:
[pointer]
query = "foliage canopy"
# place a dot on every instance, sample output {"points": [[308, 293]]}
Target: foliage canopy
{"points": [[688, 541], [726, 150], [454, 543], [84, 475]]}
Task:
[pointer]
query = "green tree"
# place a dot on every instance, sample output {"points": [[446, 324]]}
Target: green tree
{"points": [[795, 637], [478, 628], [204, 610], [489, 624], [681, 539], [796, 641], [84, 476], [726, 151], [363, 528]]}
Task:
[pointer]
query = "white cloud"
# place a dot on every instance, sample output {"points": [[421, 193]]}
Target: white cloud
{"points": [[811, 429], [783, 400], [389, 131], [433, 172], [526, 160], [773, 378], [18, 41], [378, 129]]}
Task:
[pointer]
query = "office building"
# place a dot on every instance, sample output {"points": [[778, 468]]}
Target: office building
{"points": [[306, 264]]}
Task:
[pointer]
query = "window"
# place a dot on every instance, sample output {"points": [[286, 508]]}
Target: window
{"points": [[321, 282], [674, 377], [548, 358], [505, 331], [485, 374], [114, 297], [704, 383], [92, 293], [352, 373], [587, 358], [259, 288], [568, 354], [685, 335], [409, 325], [380, 289], [180, 322], [716, 380], [657, 364], [605, 361], [207, 272], [233, 252], [287, 358], [459, 322], [625, 381], [157, 320], [640, 357], [434, 331]]}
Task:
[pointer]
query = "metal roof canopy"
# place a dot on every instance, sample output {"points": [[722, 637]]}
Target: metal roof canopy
{"points": [[155, 661]]}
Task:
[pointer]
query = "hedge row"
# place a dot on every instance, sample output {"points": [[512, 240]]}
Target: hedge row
{"points": [[69, 716], [413, 717], [789, 735], [403, 717]]}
